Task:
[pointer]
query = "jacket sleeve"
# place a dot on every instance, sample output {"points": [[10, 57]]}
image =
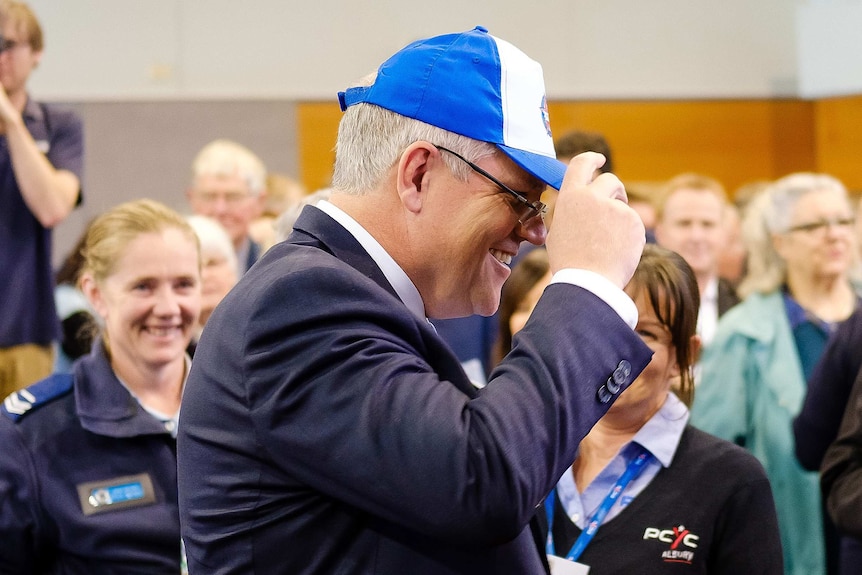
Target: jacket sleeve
{"points": [[841, 473], [350, 397], [20, 550], [429, 456]]}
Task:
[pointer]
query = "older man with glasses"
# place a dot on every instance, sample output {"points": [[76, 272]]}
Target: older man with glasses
{"points": [[229, 185], [326, 427]]}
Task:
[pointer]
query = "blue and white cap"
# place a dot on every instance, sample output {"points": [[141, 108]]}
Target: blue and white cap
{"points": [[472, 84]]}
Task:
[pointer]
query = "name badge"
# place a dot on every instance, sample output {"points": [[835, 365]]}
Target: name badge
{"points": [[562, 566], [117, 493]]}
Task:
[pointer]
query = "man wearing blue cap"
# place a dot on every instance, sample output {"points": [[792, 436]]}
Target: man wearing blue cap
{"points": [[325, 427]]}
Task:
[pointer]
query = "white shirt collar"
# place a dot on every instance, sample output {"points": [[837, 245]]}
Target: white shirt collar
{"points": [[711, 291], [661, 434], [707, 318], [396, 276]]}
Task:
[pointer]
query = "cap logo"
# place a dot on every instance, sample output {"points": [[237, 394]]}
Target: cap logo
{"points": [[546, 116]]}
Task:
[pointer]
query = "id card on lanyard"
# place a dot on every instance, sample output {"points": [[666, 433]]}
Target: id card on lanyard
{"points": [[569, 565], [560, 566]]}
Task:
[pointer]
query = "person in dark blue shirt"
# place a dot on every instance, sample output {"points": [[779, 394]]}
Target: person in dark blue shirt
{"points": [[41, 164]]}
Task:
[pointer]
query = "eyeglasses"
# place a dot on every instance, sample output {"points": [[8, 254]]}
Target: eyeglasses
{"points": [[230, 198], [525, 210], [820, 226]]}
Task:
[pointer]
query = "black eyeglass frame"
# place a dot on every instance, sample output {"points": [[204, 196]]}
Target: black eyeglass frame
{"points": [[533, 209]]}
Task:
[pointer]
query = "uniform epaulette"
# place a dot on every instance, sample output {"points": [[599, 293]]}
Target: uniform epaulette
{"points": [[20, 403]]}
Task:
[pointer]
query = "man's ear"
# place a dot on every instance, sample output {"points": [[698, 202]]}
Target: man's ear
{"points": [[413, 168]]}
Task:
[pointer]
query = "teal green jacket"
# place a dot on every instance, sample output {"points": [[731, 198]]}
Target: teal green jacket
{"points": [[751, 388]]}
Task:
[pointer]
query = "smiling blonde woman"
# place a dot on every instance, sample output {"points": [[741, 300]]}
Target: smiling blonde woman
{"points": [[88, 473]]}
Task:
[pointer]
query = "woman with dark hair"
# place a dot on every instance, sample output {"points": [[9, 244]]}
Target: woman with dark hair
{"points": [[648, 491]]}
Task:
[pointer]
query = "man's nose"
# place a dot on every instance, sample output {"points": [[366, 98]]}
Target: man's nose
{"points": [[534, 230]]}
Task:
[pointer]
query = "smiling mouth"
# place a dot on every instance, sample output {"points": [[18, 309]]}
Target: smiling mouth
{"points": [[163, 331], [502, 257]]}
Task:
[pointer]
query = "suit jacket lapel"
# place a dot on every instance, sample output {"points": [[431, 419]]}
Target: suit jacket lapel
{"points": [[316, 228]]}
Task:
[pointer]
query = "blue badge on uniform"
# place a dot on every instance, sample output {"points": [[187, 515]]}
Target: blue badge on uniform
{"points": [[116, 493]]}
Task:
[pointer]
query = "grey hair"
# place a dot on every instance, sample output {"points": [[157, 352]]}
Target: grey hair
{"points": [[769, 213], [223, 157], [371, 139], [213, 238]]}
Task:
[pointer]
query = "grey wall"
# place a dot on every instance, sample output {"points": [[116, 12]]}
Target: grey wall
{"points": [[301, 49], [145, 149]]}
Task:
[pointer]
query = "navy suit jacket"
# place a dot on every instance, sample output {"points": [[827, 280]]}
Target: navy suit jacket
{"points": [[327, 429], [254, 250]]}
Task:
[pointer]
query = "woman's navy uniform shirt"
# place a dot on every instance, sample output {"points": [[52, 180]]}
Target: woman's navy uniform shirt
{"points": [[87, 478]]}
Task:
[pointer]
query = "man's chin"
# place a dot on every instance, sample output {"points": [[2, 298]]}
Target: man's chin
{"points": [[467, 311], [487, 308]]}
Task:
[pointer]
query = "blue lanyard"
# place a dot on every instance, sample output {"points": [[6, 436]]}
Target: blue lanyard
{"points": [[634, 469]]}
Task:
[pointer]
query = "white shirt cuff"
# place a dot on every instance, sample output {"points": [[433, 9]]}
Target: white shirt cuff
{"points": [[604, 289]]}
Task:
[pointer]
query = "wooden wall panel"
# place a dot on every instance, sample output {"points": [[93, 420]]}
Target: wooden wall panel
{"points": [[317, 123], [838, 139], [793, 147], [735, 141]]}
